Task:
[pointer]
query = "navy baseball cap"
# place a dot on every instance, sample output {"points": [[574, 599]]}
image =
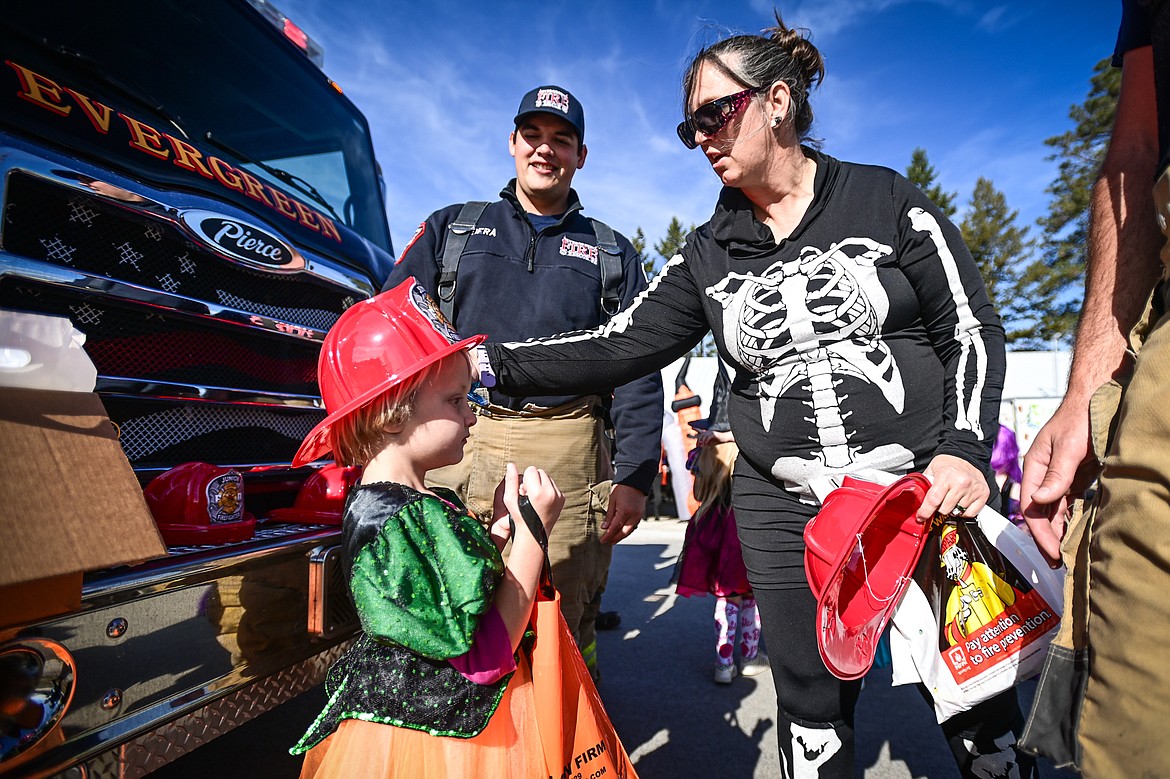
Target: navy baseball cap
{"points": [[556, 101]]}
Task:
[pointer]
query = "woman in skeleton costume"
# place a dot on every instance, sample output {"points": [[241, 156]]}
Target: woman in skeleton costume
{"points": [[862, 338]]}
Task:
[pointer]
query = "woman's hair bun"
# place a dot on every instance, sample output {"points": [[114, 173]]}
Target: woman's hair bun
{"points": [[795, 41]]}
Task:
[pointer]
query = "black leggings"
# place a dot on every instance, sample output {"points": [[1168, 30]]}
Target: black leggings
{"points": [[816, 709]]}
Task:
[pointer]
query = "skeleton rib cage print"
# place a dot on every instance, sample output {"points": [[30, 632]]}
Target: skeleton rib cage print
{"points": [[864, 340]]}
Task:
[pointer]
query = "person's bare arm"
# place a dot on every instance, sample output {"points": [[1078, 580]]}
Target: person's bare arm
{"points": [[1123, 265]]}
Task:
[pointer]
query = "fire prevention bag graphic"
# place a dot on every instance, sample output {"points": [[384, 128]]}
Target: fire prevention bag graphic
{"points": [[979, 615]]}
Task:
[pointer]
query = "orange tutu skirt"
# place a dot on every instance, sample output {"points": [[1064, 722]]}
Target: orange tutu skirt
{"points": [[508, 748]]}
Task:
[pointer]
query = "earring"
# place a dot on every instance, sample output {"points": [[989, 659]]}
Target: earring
{"points": [[776, 120]]}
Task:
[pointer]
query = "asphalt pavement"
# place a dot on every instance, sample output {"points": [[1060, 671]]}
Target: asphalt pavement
{"points": [[657, 686]]}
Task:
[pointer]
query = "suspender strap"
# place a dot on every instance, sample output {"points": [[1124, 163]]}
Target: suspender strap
{"points": [[609, 258], [461, 230]]}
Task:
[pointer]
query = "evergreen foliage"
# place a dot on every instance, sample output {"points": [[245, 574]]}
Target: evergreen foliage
{"points": [[1055, 281], [923, 174], [670, 245], [1001, 250], [673, 241]]}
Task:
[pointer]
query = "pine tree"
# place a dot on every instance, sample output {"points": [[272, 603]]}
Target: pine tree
{"points": [[1001, 250], [670, 245], [639, 242], [922, 173], [675, 237], [1055, 282]]}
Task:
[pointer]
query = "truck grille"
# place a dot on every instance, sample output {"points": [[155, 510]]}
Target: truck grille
{"points": [[158, 345], [159, 434], [182, 383], [45, 221]]}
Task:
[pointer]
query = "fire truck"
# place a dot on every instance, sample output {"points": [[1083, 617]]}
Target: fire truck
{"points": [[185, 185]]}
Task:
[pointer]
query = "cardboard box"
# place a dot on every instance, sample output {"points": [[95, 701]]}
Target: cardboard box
{"points": [[69, 501]]}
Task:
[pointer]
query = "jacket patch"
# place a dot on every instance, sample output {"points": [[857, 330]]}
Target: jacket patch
{"points": [[422, 228], [490, 232], [579, 249]]}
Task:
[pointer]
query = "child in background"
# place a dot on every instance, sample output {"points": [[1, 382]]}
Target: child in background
{"points": [[711, 560], [434, 686], [1005, 461]]}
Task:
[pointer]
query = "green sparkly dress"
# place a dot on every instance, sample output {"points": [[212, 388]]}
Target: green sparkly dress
{"points": [[422, 572]]}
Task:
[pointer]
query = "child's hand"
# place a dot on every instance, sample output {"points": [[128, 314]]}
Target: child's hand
{"points": [[499, 508], [544, 495], [501, 530]]}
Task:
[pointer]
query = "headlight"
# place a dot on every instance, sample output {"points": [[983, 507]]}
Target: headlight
{"points": [[36, 687]]}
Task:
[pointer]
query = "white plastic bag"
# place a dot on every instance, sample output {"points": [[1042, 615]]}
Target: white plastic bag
{"points": [[43, 352], [1005, 648]]}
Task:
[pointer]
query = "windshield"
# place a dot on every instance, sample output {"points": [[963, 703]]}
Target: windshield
{"points": [[224, 82]]}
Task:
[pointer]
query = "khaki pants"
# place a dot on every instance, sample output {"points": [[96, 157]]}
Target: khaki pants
{"points": [[1104, 696], [569, 443]]}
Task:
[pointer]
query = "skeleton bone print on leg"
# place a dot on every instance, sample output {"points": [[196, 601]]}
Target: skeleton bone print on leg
{"points": [[1003, 763], [806, 322], [810, 749]]}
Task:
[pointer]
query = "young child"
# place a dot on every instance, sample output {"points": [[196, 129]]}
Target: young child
{"points": [[711, 560], [434, 686], [1005, 461]]}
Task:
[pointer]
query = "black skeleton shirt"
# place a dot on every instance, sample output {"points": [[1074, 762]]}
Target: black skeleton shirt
{"points": [[865, 339]]}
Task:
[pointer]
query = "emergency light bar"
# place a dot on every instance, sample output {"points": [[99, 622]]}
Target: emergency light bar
{"points": [[299, 37]]}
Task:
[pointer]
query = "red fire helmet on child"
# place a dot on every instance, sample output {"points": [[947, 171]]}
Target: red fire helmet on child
{"points": [[199, 503], [860, 550], [322, 497], [375, 345]]}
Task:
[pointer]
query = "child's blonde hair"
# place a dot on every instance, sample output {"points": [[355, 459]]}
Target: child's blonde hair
{"points": [[713, 475], [358, 436]]}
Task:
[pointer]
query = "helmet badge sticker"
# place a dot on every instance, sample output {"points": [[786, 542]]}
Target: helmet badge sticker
{"points": [[429, 309], [225, 499]]}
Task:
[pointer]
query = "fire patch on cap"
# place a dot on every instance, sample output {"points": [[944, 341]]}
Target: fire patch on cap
{"points": [[552, 98]]}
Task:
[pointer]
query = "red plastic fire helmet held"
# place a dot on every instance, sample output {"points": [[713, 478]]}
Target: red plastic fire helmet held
{"points": [[860, 551], [321, 499], [375, 345], [199, 503]]}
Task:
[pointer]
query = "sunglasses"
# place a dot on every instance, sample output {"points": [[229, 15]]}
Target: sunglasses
{"points": [[712, 117]]}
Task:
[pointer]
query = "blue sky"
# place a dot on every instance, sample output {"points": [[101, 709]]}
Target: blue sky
{"points": [[979, 85]]}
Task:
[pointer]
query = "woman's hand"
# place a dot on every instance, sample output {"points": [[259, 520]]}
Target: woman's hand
{"points": [[957, 489]]}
